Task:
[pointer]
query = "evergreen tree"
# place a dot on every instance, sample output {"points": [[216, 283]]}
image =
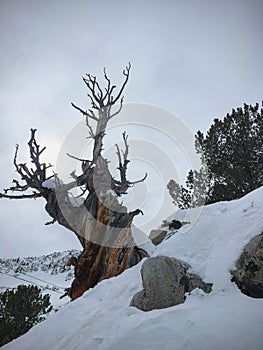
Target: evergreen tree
{"points": [[233, 151], [20, 310], [232, 160], [195, 192], [181, 196]]}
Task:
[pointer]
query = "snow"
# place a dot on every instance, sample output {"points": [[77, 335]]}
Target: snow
{"points": [[142, 240], [224, 319], [76, 201], [50, 183]]}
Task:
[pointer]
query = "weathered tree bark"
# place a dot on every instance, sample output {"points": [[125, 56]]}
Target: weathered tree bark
{"points": [[101, 224], [108, 245]]}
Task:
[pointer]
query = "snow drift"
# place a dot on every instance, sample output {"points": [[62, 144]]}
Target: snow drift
{"points": [[224, 319]]}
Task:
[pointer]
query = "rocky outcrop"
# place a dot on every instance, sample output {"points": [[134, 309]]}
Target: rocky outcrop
{"points": [[165, 282], [249, 268], [157, 236]]}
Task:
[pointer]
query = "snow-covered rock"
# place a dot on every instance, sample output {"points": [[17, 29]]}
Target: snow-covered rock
{"points": [[50, 183]]}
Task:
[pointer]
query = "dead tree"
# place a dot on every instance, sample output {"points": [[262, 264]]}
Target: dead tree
{"points": [[101, 224]]}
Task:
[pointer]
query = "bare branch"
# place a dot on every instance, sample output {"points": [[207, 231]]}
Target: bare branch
{"points": [[126, 73], [51, 222], [123, 163], [138, 181], [135, 212], [18, 187], [93, 103], [33, 177], [100, 100], [15, 158], [118, 154], [103, 102], [93, 114], [86, 164], [50, 177], [92, 85], [23, 196], [119, 110], [84, 190], [109, 89], [76, 158], [91, 132], [121, 187], [38, 175], [126, 152], [85, 113]]}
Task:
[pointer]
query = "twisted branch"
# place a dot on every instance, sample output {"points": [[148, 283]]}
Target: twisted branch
{"points": [[33, 177], [100, 100], [122, 186]]}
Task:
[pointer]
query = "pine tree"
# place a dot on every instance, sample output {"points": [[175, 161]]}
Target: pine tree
{"points": [[233, 150], [181, 196], [20, 310], [195, 192], [232, 160]]}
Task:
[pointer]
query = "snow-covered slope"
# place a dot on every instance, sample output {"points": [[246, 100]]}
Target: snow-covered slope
{"points": [[49, 272], [223, 319]]}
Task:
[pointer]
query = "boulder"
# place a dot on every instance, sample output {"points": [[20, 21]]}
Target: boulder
{"points": [[165, 282], [157, 236], [249, 269]]}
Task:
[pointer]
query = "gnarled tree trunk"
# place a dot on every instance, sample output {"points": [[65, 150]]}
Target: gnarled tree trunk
{"points": [[101, 224], [108, 250]]}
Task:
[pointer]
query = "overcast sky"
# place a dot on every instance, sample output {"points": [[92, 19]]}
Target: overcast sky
{"points": [[197, 59]]}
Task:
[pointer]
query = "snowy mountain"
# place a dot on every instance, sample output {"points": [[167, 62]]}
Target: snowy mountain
{"points": [[223, 319], [49, 272]]}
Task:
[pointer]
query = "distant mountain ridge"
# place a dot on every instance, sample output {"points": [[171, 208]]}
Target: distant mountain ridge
{"points": [[49, 272], [53, 263]]}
